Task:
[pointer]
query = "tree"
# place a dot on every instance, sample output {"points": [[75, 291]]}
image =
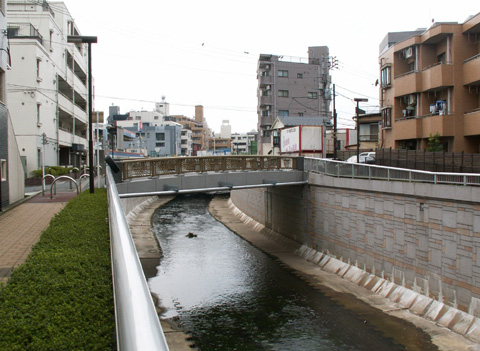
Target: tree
{"points": [[434, 143]]}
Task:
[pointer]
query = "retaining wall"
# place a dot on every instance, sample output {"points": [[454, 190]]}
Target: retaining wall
{"points": [[421, 236]]}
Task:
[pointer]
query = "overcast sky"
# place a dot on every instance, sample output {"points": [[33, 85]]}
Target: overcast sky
{"points": [[206, 52]]}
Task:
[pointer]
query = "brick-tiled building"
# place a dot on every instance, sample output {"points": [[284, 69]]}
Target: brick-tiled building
{"points": [[429, 84]]}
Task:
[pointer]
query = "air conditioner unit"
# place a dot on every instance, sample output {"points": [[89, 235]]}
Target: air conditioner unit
{"points": [[267, 107], [409, 52], [268, 87], [267, 66]]}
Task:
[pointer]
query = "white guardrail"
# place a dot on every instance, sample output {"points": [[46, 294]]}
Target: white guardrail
{"points": [[137, 323], [367, 171]]}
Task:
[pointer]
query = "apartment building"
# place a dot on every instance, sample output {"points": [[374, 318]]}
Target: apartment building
{"points": [[198, 125], [244, 143], [12, 179], [291, 87], [429, 84], [47, 84]]}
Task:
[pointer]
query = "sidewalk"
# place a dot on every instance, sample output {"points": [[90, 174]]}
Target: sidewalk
{"points": [[22, 225]]}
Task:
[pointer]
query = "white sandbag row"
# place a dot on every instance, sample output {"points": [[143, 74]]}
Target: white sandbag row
{"points": [[419, 304]]}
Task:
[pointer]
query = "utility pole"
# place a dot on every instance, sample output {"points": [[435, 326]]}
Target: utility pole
{"points": [[334, 126]]}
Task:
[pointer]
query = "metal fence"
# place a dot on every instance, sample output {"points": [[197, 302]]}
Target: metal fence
{"points": [[365, 171], [137, 323]]}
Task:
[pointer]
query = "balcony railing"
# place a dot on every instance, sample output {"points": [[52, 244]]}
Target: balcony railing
{"points": [[23, 31]]}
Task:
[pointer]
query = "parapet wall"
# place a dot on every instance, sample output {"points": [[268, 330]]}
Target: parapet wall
{"points": [[425, 237]]}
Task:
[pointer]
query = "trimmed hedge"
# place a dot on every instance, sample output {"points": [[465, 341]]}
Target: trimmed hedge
{"points": [[61, 298]]}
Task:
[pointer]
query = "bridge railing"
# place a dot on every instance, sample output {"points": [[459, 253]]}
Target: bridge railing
{"points": [[152, 167], [137, 323], [366, 171]]}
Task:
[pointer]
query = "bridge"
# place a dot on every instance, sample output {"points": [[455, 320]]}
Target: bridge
{"points": [[180, 175], [138, 327]]}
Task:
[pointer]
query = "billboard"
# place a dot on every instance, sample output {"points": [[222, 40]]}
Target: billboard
{"points": [[290, 140], [301, 139]]}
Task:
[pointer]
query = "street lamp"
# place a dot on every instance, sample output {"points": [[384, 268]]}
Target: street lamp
{"points": [[357, 100], [88, 40]]}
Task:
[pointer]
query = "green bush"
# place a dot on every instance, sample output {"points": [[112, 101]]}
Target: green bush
{"points": [[53, 170], [61, 298]]}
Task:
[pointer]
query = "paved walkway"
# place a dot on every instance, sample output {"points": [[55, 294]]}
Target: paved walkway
{"points": [[22, 225]]}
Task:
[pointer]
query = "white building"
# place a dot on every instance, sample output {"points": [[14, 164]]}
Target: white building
{"points": [[146, 118], [47, 84], [242, 143], [226, 129], [186, 142], [12, 182]]}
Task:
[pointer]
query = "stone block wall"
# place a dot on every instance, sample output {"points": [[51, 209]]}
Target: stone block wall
{"points": [[424, 236]]}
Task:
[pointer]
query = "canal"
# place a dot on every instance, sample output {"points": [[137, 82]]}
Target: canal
{"points": [[231, 296]]}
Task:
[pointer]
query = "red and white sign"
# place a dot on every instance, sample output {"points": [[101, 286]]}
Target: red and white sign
{"points": [[301, 139]]}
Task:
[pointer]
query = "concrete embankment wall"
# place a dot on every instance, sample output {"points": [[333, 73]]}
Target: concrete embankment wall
{"points": [[423, 237]]}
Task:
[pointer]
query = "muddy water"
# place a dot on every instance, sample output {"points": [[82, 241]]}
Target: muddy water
{"points": [[230, 296]]}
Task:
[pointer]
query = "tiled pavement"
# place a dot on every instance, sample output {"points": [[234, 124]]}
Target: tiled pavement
{"points": [[21, 227]]}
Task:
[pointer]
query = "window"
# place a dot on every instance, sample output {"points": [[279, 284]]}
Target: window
{"points": [[38, 115], [3, 170], [283, 93], [300, 75], [51, 40], [160, 136], [138, 118], [312, 95], [387, 117], [369, 132], [38, 69], [300, 114], [283, 113], [282, 73], [386, 76], [160, 144], [156, 117]]}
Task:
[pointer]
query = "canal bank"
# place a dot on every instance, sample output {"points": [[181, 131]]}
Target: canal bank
{"points": [[397, 323]]}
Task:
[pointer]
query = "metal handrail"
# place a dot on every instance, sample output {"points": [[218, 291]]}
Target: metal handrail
{"points": [[368, 171], [137, 323]]}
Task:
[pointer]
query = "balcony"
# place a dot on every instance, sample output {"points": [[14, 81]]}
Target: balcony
{"points": [[471, 70], [266, 100], [437, 76], [408, 83], [408, 129], [23, 31], [265, 80], [65, 137], [442, 124], [471, 123]]}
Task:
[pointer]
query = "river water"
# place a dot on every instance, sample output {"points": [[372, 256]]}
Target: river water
{"points": [[231, 296]]}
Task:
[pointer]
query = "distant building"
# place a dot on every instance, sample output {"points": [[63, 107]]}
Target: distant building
{"points": [[242, 143], [291, 88], [159, 140], [429, 84], [225, 129], [199, 127], [48, 78]]}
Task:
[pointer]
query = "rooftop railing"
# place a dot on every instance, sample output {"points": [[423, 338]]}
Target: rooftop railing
{"points": [[374, 172]]}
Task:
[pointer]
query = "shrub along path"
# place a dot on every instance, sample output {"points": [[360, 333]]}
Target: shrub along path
{"points": [[61, 297]]}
